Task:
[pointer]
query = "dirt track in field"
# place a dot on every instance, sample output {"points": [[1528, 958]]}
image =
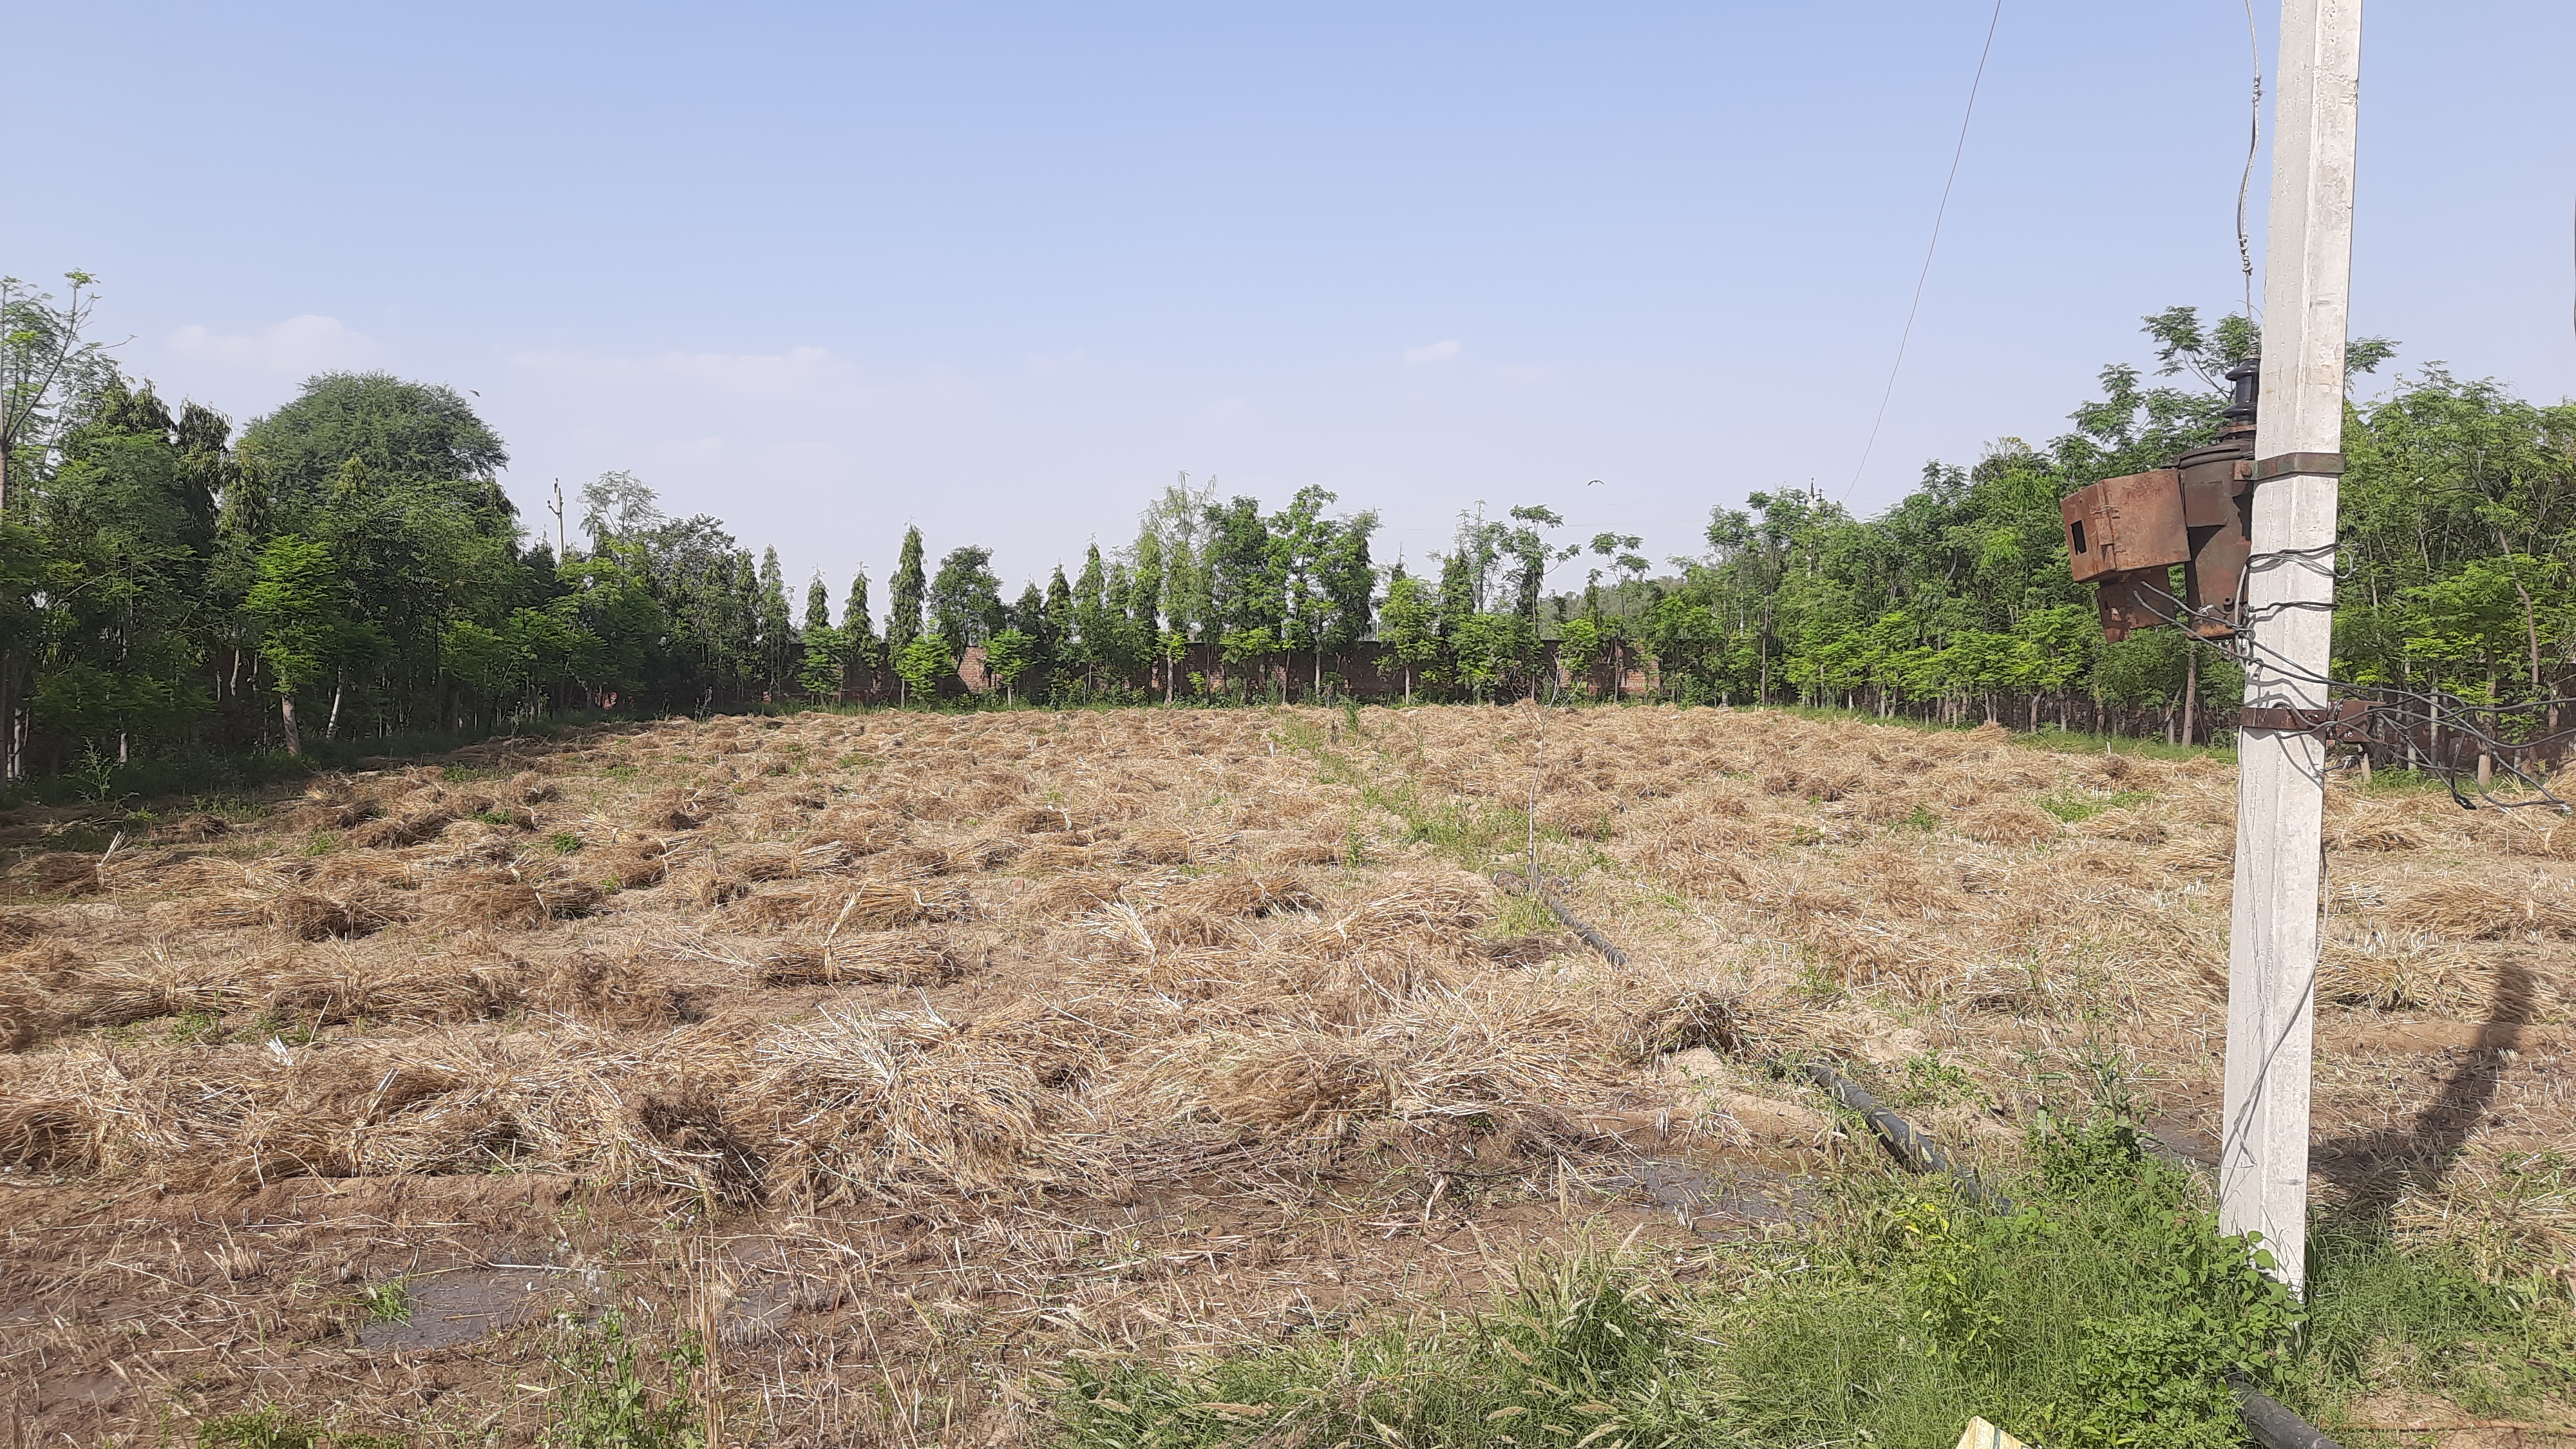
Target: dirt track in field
{"points": [[900, 1056]]}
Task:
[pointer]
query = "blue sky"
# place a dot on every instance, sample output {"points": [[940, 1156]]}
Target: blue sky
{"points": [[1003, 271]]}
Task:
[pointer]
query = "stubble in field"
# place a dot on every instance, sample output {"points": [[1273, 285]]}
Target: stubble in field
{"points": [[896, 1057]]}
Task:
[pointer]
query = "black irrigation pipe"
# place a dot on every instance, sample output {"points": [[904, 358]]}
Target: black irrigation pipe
{"points": [[1516, 884], [1913, 1147], [2271, 1424]]}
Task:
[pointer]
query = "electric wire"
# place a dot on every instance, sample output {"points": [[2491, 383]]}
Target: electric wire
{"points": [[2253, 144], [1930, 248], [2392, 715]]}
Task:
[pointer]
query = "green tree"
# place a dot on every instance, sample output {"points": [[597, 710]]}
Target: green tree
{"points": [[1009, 655], [1092, 620], [1348, 582], [618, 506], [404, 434], [903, 619], [1301, 537], [298, 607], [1178, 522], [965, 599], [924, 665], [1055, 635], [1246, 590], [1581, 646], [781, 653], [46, 361], [1409, 625], [128, 520], [1489, 647], [859, 647], [1531, 557], [826, 662]]}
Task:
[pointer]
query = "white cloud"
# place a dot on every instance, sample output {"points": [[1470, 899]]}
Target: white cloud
{"points": [[1440, 351], [297, 346]]}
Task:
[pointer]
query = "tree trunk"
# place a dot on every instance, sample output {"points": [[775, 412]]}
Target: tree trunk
{"points": [[331, 726], [286, 716], [2531, 627]]}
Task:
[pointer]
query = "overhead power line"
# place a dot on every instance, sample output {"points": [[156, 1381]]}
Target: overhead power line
{"points": [[2253, 145], [1930, 248]]}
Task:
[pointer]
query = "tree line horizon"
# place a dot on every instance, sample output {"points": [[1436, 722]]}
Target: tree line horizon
{"points": [[348, 566]]}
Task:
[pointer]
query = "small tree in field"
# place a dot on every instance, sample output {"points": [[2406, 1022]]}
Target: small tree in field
{"points": [[1008, 655], [1490, 646], [1580, 648], [1409, 625], [1244, 647], [1174, 646], [921, 663], [295, 605]]}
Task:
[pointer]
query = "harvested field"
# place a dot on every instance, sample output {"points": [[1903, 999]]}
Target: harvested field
{"points": [[900, 1056]]}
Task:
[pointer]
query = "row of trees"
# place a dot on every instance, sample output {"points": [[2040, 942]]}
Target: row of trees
{"points": [[2458, 522], [349, 564]]}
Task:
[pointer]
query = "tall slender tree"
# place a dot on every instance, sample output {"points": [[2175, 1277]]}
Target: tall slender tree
{"points": [[781, 654], [1056, 642], [858, 634], [1410, 625], [903, 616], [1348, 584]]}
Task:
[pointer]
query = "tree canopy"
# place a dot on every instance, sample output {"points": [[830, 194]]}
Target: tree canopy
{"points": [[348, 564]]}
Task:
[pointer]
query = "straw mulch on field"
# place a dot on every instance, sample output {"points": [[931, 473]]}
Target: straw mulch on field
{"points": [[949, 1012]]}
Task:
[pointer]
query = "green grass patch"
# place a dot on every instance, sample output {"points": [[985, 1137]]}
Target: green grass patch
{"points": [[2048, 737], [197, 1028], [273, 1426], [2076, 742], [1520, 916], [385, 1302], [610, 1394], [2105, 1311], [1472, 833], [2073, 805], [2403, 782]]}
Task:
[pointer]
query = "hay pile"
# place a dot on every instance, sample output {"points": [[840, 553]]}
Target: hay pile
{"points": [[904, 959]]}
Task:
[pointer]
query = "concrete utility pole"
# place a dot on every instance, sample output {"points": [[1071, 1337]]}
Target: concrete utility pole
{"points": [[2289, 597]]}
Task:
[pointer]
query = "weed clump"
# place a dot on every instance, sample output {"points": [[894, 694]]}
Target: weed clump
{"points": [[2105, 1311], [609, 1394]]}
